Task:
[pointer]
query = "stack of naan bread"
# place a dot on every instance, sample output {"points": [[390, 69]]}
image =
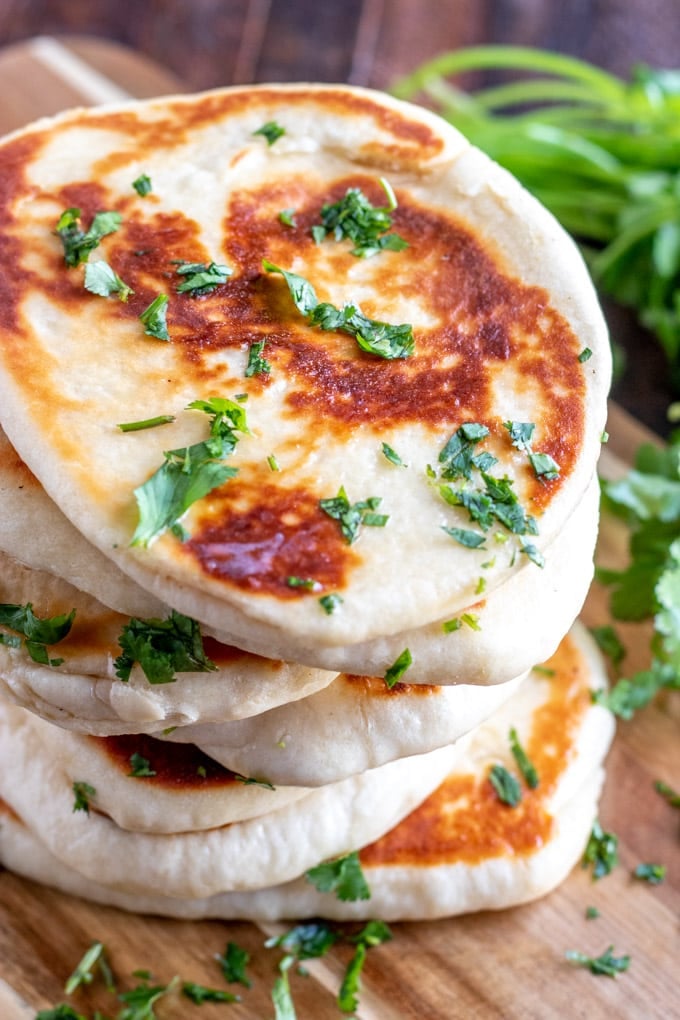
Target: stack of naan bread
{"points": [[355, 609]]}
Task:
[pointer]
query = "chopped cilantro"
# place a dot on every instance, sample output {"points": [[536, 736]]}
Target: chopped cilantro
{"points": [[525, 766], [521, 433], [303, 582], [273, 463], [191, 472], [140, 767], [342, 876], [668, 793], [481, 586], [652, 873], [396, 671], [201, 278], [305, 941], [61, 1012], [392, 455], [449, 626], [585, 354], [470, 620], [101, 279], [606, 964], [592, 913], [200, 994], [506, 785], [373, 934], [457, 455], [82, 975], [78, 243], [601, 851], [233, 965], [37, 633], [329, 603], [154, 318], [534, 554], [544, 466], [470, 539], [271, 131], [351, 516], [250, 781], [380, 338], [146, 423], [287, 217], [140, 1001], [142, 185], [162, 648], [354, 217], [257, 365], [82, 794]]}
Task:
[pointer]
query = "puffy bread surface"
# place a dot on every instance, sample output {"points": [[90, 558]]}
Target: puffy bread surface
{"points": [[461, 850], [499, 300]]}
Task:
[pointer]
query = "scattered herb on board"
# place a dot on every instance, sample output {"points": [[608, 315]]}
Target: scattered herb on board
{"points": [[668, 793], [162, 648], [199, 994], [38, 634], [78, 243], [191, 472], [83, 974], [606, 964], [382, 339], [601, 153], [601, 852], [233, 965], [140, 1001], [654, 874], [355, 218]]}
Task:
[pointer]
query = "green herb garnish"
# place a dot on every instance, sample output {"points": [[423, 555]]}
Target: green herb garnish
{"points": [[379, 338], [392, 455], [373, 934], [101, 279], [342, 876], [329, 603], [153, 318], [37, 633], [142, 185], [601, 852], [585, 355], [189, 473], [544, 466], [201, 278], [609, 643], [652, 873], [396, 671], [506, 785], [287, 217], [470, 539], [591, 913], [668, 793], [162, 648], [200, 994], [233, 965], [140, 767], [82, 975], [351, 516], [82, 794], [146, 423], [606, 964], [303, 582], [257, 364], [354, 217], [525, 766], [78, 243], [140, 1001], [271, 131]]}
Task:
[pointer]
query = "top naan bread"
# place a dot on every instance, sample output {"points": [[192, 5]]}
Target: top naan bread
{"points": [[499, 300]]}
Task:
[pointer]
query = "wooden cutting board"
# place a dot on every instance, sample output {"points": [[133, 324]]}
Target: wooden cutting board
{"points": [[505, 965]]}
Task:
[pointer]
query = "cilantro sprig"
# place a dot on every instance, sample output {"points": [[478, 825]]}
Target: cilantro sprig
{"points": [[78, 243], [38, 634], [352, 516], [355, 218], [162, 648], [382, 339], [606, 964], [191, 472]]}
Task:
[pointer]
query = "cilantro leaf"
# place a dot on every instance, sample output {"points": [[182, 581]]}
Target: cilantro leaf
{"points": [[456, 456], [189, 473], [61, 1012], [140, 767], [162, 648], [605, 964], [526, 767], [329, 603], [200, 994], [257, 364], [390, 454], [140, 1001], [271, 131], [470, 539], [287, 217], [380, 338], [652, 873], [233, 964], [342, 876], [354, 217], [37, 633], [520, 433], [153, 318], [201, 278], [351, 516], [396, 671], [305, 941], [101, 279], [82, 794], [506, 785], [142, 185], [601, 851], [78, 243]]}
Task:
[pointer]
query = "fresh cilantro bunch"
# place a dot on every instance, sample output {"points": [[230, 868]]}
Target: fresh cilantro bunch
{"points": [[601, 153], [648, 499]]}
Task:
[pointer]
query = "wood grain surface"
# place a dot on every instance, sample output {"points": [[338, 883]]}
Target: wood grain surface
{"points": [[492, 965]]}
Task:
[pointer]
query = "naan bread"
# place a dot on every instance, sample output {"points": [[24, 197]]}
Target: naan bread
{"points": [[270, 848], [175, 789], [551, 598], [461, 850], [500, 303], [84, 692]]}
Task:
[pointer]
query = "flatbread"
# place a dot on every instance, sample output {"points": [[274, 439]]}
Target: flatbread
{"points": [[273, 847], [551, 598], [461, 850], [500, 303], [83, 691]]}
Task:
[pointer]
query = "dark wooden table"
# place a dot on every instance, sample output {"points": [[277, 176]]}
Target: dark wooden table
{"points": [[208, 43]]}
